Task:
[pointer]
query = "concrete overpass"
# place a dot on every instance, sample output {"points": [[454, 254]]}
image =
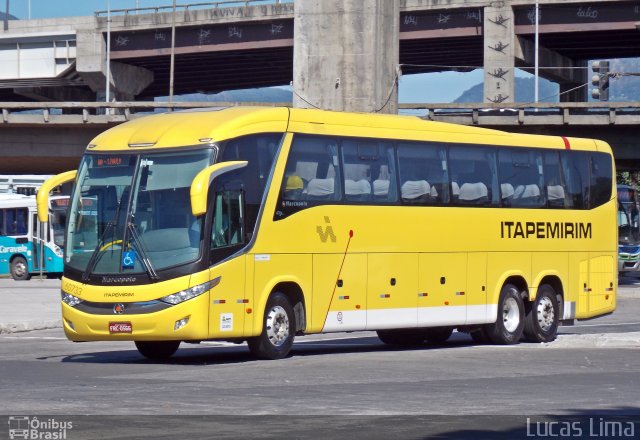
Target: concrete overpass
{"points": [[339, 54], [52, 136], [221, 48]]}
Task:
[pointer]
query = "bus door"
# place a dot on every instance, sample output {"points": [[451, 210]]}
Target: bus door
{"points": [[230, 299], [35, 240], [442, 289]]}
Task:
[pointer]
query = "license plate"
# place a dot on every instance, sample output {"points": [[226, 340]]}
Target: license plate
{"points": [[120, 327]]}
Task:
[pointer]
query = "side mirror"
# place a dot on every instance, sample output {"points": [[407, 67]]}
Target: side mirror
{"points": [[200, 186], [42, 198]]}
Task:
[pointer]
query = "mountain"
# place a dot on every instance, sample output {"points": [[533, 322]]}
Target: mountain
{"points": [[524, 91], [622, 88], [3, 16], [269, 94]]}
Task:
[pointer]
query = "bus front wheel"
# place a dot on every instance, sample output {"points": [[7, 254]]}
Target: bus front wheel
{"points": [[19, 269], [541, 321], [157, 349], [509, 324], [278, 329]]}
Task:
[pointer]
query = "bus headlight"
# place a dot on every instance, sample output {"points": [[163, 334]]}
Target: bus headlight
{"points": [[192, 292], [70, 299], [57, 251]]}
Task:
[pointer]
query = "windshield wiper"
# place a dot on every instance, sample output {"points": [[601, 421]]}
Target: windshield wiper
{"points": [[144, 255], [96, 252]]}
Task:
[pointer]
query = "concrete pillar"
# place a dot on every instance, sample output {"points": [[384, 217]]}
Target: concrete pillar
{"points": [[126, 81], [346, 55], [499, 46]]}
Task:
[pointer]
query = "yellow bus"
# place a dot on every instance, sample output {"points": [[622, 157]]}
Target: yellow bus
{"points": [[260, 224]]}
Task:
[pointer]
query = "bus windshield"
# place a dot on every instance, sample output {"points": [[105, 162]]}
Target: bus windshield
{"points": [[132, 213]]}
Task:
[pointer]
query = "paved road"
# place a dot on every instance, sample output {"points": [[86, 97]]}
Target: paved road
{"points": [[351, 383]]}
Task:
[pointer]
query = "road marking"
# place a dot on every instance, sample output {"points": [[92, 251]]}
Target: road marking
{"points": [[607, 325], [34, 337]]}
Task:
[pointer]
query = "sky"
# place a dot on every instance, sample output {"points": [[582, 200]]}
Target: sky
{"points": [[435, 87]]}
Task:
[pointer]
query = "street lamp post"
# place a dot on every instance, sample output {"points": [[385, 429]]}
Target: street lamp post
{"points": [[6, 17], [173, 52], [537, 54], [108, 75]]}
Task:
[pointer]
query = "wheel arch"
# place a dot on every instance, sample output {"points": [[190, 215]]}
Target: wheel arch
{"points": [[518, 280], [293, 290], [555, 282]]}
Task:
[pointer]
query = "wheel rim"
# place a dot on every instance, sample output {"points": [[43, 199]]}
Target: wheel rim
{"points": [[277, 325], [511, 314], [20, 269], [545, 313]]}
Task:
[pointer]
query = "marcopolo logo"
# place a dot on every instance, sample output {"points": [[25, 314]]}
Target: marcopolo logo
{"points": [[32, 428]]}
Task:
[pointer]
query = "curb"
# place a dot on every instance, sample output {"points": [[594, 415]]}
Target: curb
{"points": [[20, 327]]}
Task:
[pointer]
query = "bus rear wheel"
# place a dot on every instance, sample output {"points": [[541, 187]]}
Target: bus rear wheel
{"points": [[19, 269], [278, 329], [509, 324], [157, 349], [541, 321]]}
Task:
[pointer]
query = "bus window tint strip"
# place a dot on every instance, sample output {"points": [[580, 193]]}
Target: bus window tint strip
{"points": [[329, 170]]}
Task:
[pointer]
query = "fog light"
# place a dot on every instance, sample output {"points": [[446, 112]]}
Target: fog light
{"points": [[70, 324], [181, 323]]}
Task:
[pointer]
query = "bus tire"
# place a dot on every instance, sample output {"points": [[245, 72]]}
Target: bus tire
{"points": [[20, 269], [509, 324], [278, 329], [438, 335], [542, 319], [401, 337], [157, 350]]}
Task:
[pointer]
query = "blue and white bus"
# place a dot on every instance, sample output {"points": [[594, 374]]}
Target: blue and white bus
{"points": [[28, 247]]}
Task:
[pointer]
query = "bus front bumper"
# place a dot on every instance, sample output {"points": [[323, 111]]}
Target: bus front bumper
{"points": [[187, 321]]}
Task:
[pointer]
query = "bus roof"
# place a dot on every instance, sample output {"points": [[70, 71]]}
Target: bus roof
{"points": [[206, 126], [16, 201]]}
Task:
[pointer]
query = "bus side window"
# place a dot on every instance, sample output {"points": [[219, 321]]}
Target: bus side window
{"points": [[2, 230], [368, 168], [575, 167], [423, 173], [475, 171], [521, 178], [601, 178], [553, 181], [314, 160]]}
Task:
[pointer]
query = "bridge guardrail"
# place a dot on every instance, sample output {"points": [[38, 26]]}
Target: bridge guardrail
{"points": [[571, 113], [187, 6]]}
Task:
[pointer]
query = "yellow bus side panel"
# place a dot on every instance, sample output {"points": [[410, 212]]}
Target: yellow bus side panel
{"points": [[602, 279], [271, 270], [501, 266], [478, 311], [579, 281], [339, 301], [442, 288], [229, 299], [392, 290]]}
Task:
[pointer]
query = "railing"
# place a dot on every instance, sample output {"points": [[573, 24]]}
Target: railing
{"points": [[186, 7], [572, 113]]}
